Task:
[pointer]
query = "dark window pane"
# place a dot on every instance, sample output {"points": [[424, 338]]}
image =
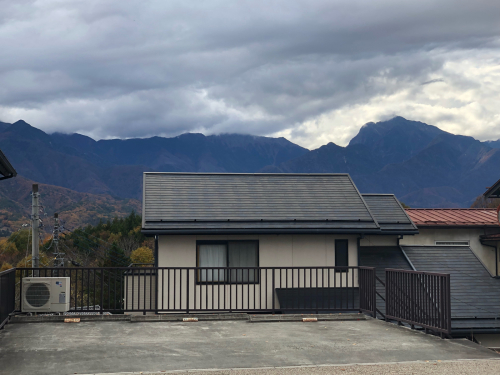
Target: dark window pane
{"points": [[341, 253], [243, 254]]}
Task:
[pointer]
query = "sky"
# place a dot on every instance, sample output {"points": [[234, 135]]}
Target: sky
{"points": [[311, 71]]}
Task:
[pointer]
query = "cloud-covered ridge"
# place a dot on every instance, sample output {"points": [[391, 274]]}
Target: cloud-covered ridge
{"points": [[313, 71]]}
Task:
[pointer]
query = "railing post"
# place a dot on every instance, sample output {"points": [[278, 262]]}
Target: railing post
{"points": [[272, 293], [187, 292], [448, 304], [102, 291], [412, 298], [230, 292], [374, 292], [388, 296]]}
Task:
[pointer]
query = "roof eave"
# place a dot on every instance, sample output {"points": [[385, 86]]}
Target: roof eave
{"points": [[225, 231], [452, 226], [10, 171], [493, 191], [398, 232]]}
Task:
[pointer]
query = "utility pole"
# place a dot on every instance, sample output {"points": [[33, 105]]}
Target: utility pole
{"points": [[58, 257], [35, 222]]}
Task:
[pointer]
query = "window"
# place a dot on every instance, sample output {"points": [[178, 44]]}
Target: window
{"points": [[341, 253], [452, 243], [228, 254]]}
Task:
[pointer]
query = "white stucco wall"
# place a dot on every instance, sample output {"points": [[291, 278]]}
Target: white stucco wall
{"points": [[274, 251], [379, 241], [140, 292], [427, 237]]}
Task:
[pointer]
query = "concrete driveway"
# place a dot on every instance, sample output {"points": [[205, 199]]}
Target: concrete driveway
{"points": [[112, 347]]}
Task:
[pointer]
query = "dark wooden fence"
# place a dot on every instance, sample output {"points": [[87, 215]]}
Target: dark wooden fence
{"points": [[211, 289], [7, 295], [419, 298]]}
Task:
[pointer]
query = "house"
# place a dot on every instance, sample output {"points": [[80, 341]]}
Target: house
{"points": [[460, 242], [474, 228], [294, 224], [465, 244], [279, 232]]}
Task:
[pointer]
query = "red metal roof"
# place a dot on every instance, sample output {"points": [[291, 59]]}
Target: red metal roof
{"points": [[453, 216]]}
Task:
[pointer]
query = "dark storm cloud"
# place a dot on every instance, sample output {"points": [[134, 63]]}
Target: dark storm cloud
{"points": [[139, 68]]}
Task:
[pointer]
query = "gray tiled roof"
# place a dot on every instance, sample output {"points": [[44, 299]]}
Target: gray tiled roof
{"points": [[389, 213], [474, 293], [230, 203]]}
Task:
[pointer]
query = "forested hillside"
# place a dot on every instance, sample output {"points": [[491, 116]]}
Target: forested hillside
{"points": [[75, 209], [112, 243]]}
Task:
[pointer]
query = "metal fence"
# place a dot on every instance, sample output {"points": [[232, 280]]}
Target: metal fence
{"points": [[7, 295], [419, 298], [368, 290], [212, 289]]}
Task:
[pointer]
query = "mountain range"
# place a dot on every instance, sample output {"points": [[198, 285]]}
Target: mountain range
{"points": [[423, 165]]}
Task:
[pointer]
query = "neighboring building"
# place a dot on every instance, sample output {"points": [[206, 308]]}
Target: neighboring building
{"points": [[469, 227], [6, 169], [264, 220], [493, 191], [463, 243]]}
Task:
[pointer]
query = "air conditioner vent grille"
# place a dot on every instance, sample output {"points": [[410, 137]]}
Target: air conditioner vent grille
{"points": [[37, 295]]}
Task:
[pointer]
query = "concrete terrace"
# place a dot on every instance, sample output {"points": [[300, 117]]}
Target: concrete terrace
{"points": [[121, 346]]}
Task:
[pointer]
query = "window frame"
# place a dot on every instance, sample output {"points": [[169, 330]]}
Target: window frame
{"points": [[224, 242], [347, 255]]}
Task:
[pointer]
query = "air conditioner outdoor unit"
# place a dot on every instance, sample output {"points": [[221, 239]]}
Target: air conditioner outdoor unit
{"points": [[45, 294]]}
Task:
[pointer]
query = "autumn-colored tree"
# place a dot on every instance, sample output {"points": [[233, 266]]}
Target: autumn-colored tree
{"points": [[482, 202], [44, 261], [9, 253], [6, 266], [142, 255], [21, 239], [7, 247]]}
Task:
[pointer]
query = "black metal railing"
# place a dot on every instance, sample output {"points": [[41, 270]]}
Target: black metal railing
{"points": [[213, 289], [7, 295], [368, 290], [419, 298]]}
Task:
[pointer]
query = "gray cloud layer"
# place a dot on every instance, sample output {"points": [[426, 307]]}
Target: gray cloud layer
{"points": [[313, 71]]}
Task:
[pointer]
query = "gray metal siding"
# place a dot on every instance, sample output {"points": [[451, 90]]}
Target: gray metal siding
{"points": [[171, 200]]}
